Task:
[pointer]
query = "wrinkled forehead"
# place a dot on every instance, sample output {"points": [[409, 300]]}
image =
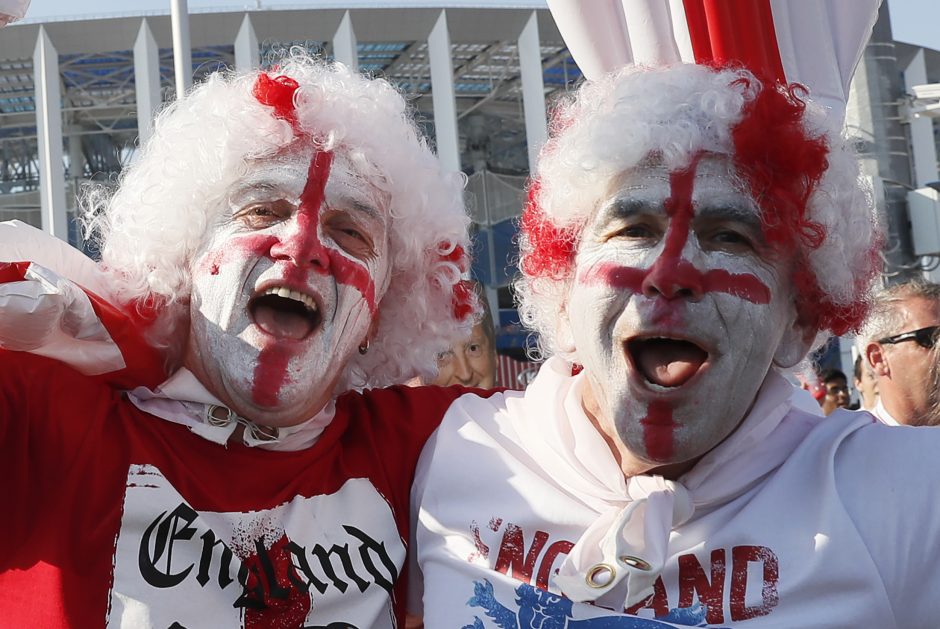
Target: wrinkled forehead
{"points": [[709, 180], [286, 176]]}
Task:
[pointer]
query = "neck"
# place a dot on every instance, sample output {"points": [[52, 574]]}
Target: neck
{"points": [[900, 407]]}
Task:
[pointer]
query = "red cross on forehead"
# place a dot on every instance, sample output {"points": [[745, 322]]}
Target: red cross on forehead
{"points": [[271, 372], [346, 271], [670, 272]]}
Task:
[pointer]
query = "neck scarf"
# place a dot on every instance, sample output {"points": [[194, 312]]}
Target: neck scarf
{"points": [[619, 557], [182, 399]]}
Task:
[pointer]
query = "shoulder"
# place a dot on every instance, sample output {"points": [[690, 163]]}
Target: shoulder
{"points": [[421, 406], [32, 374], [885, 456], [475, 433]]}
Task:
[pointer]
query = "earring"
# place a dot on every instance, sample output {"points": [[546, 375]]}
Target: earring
{"points": [[364, 348]]}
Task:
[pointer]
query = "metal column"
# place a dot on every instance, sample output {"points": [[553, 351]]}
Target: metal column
{"points": [[533, 88], [146, 80], [49, 137], [345, 46], [922, 141], [873, 116], [182, 48], [247, 56], [442, 95]]}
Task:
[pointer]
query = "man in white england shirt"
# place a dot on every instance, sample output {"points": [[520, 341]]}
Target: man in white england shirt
{"points": [[691, 233]]}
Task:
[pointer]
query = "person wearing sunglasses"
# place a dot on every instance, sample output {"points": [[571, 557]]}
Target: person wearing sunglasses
{"points": [[901, 339]]}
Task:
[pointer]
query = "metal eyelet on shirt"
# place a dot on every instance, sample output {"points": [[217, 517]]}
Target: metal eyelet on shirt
{"points": [[213, 419], [635, 562], [601, 575]]}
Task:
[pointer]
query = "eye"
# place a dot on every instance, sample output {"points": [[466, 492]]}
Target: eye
{"points": [[349, 235], [262, 214], [474, 350], [445, 357], [730, 240], [640, 231]]}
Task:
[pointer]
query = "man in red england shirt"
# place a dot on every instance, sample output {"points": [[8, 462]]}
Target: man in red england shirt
{"points": [[277, 239]]}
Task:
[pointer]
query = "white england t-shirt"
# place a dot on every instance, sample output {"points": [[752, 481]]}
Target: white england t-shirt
{"points": [[791, 522]]}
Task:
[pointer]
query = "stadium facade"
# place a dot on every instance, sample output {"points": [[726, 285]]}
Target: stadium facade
{"points": [[77, 95]]}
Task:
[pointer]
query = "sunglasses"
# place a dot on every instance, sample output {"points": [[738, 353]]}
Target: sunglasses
{"points": [[925, 337]]}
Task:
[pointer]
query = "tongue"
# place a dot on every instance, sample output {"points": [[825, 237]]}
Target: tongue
{"points": [[668, 363], [282, 323]]}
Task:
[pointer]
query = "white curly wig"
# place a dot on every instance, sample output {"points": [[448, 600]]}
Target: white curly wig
{"points": [[170, 198], [788, 155]]}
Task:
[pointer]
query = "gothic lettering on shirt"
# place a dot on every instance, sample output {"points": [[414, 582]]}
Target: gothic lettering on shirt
{"points": [[273, 572], [751, 590]]}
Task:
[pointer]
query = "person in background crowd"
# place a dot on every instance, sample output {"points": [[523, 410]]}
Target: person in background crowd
{"points": [[866, 383], [900, 341], [471, 363], [284, 240], [836, 388], [692, 231]]}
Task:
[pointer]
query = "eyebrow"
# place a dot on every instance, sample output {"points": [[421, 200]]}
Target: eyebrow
{"points": [[626, 208], [265, 184], [367, 209], [745, 214], [733, 211]]}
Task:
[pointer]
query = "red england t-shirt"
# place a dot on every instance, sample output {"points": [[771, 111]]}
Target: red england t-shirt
{"points": [[120, 518]]}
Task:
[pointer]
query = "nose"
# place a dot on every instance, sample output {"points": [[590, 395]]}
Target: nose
{"points": [[462, 370], [300, 242], [673, 278]]}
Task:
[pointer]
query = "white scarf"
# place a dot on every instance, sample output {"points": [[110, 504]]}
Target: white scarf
{"points": [[182, 399], [619, 557]]}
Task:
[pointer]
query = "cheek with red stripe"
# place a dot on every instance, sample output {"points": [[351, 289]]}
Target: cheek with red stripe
{"points": [[742, 285], [237, 249]]}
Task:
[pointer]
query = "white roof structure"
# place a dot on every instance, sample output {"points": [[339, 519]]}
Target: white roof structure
{"points": [[505, 59]]}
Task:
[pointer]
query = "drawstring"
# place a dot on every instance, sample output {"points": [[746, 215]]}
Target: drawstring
{"points": [[254, 434]]}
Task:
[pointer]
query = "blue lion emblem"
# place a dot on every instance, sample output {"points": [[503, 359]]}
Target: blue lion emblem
{"points": [[539, 609]]}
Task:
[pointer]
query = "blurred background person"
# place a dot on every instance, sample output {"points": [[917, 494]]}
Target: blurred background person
{"points": [[471, 363], [900, 345], [835, 388]]}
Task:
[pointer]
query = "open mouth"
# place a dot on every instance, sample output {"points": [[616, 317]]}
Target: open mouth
{"points": [[666, 362], [285, 313]]}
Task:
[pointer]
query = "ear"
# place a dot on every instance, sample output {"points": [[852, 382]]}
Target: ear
{"points": [[795, 344], [876, 357], [564, 338]]}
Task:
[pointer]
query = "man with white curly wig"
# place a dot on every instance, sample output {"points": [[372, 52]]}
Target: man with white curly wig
{"points": [[285, 240], [692, 231]]}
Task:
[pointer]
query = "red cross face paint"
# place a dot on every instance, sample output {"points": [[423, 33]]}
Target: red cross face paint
{"points": [[677, 309], [286, 287]]}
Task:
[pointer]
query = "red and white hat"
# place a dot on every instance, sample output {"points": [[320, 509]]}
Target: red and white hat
{"points": [[817, 43]]}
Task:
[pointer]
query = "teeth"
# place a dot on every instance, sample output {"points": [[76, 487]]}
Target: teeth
{"points": [[286, 293]]}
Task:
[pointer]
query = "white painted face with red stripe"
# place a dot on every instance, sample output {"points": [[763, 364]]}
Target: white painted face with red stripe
{"points": [[287, 286], [677, 310]]}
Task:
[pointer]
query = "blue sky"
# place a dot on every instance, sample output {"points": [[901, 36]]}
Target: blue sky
{"points": [[913, 21]]}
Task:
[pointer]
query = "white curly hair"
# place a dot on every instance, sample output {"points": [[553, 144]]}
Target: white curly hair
{"points": [[781, 144], [152, 226]]}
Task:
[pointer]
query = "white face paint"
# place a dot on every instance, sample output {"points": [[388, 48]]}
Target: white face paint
{"points": [[677, 311], [286, 287]]}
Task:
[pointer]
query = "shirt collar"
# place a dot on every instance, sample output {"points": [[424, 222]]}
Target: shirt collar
{"points": [[182, 399], [882, 414]]}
